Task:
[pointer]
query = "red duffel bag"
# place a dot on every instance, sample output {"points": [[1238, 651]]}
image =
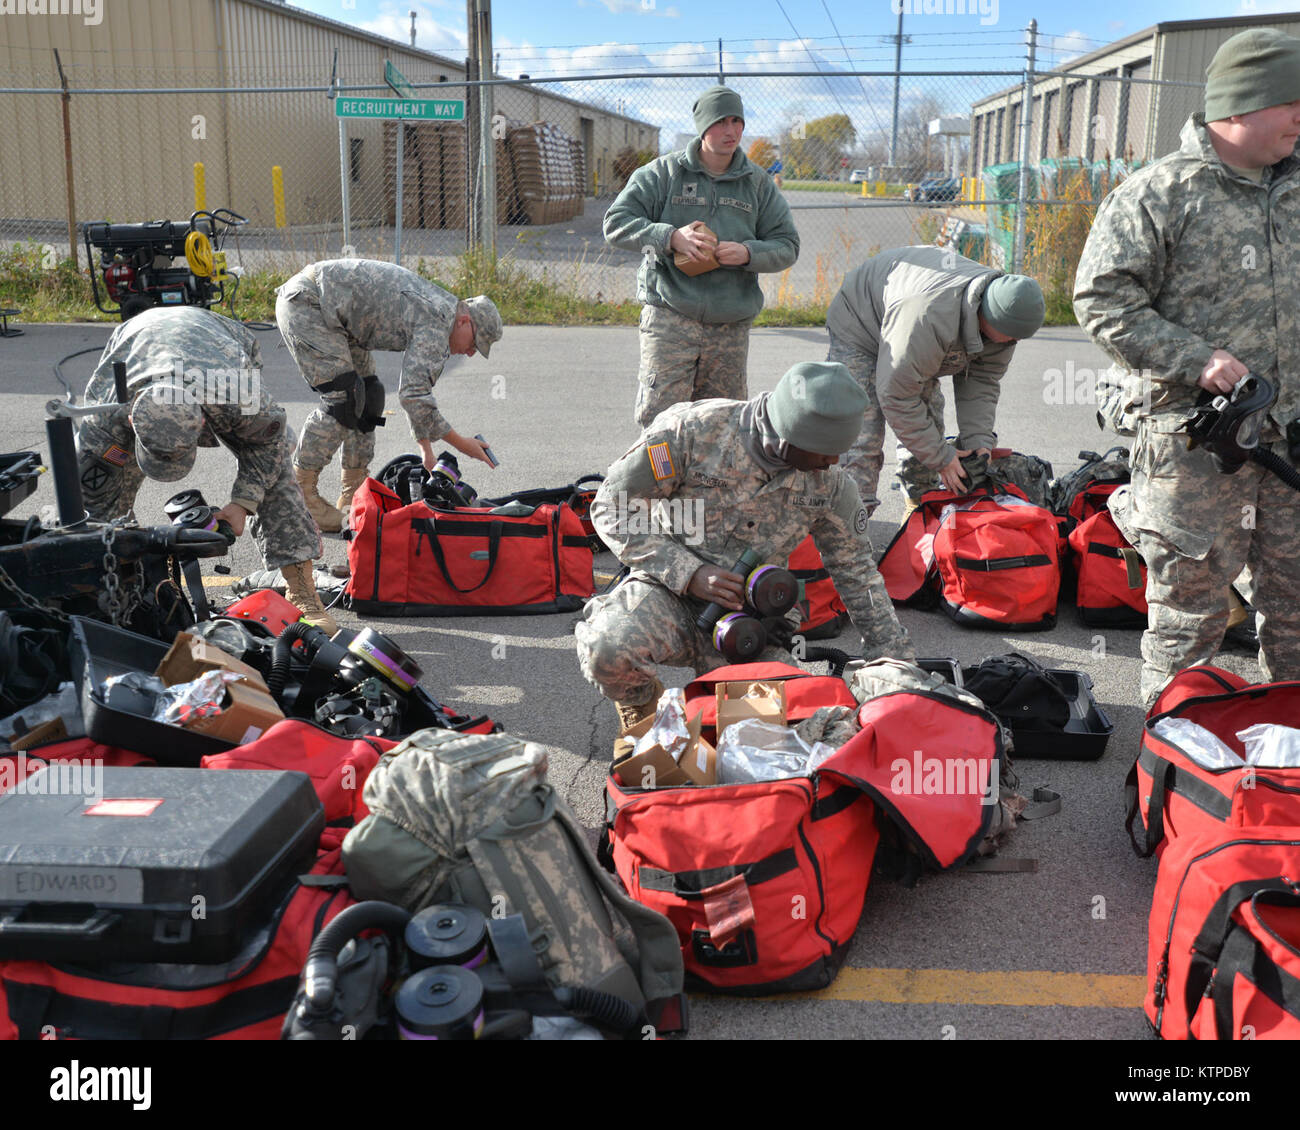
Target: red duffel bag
{"points": [[415, 560], [1174, 794], [765, 881], [1223, 949], [244, 999]]}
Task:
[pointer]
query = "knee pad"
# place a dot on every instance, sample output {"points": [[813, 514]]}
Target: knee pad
{"points": [[351, 407], [372, 415]]}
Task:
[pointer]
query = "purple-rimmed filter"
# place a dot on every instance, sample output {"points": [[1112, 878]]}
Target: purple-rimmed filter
{"points": [[390, 661], [196, 518], [443, 1002], [444, 466], [739, 637], [771, 590], [448, 934]]}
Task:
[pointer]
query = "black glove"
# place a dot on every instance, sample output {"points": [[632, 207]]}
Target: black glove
{"points": [[780, 631]]}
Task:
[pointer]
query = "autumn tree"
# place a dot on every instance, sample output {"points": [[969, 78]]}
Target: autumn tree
{"points": [[762, 152], [816, 148]]}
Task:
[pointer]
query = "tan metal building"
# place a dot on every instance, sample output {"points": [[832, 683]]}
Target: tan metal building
{"points": [[134, 154], [1084, 110]]}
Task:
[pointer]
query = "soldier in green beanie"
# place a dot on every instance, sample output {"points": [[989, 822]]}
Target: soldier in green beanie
{"points": [[902, 320], [728, 475], [706, 221], [1188, 280]]}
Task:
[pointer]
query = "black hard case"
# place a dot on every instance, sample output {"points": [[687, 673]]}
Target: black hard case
{"points": [[184, 883]]}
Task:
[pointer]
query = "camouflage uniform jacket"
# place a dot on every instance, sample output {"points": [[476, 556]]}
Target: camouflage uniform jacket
{"points": [[1187, 256], [381, 306], [916, 311], [742, 205], [210, 351], [696, 456]]}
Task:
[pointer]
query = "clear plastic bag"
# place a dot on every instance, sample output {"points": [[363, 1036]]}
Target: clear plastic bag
{"points": [[1270, 745], [1207, 749], [183, 704], [669, 727], [761, 751]]}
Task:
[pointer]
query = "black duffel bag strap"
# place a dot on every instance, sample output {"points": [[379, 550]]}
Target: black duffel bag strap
{"points": [[429, 527]]}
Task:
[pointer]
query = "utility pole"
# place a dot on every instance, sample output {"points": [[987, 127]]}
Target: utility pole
{"points": [[471, 127], [487, 226], [412, 29], [899, 40]]}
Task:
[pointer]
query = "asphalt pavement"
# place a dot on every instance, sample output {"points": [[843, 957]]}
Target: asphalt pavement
{"points": [[1059, 953]]}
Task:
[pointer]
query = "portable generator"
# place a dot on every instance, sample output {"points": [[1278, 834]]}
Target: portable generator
{"points": [[137, 262]]}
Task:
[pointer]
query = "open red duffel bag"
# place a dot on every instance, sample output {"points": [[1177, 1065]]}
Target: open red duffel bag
{"points": [[765, 881], [1176, 795]]}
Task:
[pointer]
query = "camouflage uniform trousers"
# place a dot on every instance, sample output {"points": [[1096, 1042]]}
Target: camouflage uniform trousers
{"points": [[1192, 526], [625, 633], [682, 360], [322, 354], [282, 528], [865, 458]]}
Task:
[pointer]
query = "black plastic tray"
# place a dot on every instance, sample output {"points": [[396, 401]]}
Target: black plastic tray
{"points": [[118, 881], [12, 468], [1086, 733], [100, 650]]}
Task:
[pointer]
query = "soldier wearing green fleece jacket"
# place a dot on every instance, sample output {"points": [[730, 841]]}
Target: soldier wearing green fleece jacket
{"points": [[695, 328]]}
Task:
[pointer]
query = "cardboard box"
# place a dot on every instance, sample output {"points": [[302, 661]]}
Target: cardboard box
{"points": [[698, 765], [734, 705], [692, 268], [189, 657], [248, 712]]}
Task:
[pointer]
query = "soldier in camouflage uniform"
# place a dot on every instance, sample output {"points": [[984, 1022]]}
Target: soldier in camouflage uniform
{"points": [[1189, 276], [695, 327], [194, 380], [758, 474], [902, 320], [332, 314]]}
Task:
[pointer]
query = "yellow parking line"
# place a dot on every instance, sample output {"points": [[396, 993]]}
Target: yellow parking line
{"points": [[219, 582], [1017, 988]]}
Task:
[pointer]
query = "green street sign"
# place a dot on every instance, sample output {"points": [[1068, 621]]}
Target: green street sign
{"points": [[398, 81], [405, 109]]}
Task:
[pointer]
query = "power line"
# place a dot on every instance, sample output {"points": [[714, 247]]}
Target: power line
{"points": [[813, 58], [861, 85]]}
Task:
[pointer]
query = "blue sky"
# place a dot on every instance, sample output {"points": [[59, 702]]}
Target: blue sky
{"points": [[557, 37], [653, 28]]}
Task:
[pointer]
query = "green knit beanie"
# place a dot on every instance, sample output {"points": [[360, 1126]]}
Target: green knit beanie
{"points": [[1251, 71], [818, 406], [1013, 305], [713, 105]]}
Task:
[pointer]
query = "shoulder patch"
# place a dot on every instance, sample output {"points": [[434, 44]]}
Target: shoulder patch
{"points": [[860, 521], [661, 461]]}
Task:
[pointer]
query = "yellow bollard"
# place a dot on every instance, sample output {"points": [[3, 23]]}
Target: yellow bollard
{"points": [[277, 190], [200, 188], [880, 188]]}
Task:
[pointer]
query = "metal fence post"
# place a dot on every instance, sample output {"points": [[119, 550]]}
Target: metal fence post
{"points": [[1026, 124], [345, 162], [487, 135], [67, 163]]}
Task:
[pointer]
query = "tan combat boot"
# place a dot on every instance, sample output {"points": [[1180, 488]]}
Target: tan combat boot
{"points": [[327, 519], [629, 716], [302, 595], [353, 477]]}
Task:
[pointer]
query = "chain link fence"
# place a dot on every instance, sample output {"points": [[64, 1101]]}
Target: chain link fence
{"points": [[147, 143]]}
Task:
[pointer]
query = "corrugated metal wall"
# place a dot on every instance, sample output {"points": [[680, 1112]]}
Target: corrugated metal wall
{"points": [[134, 155]]}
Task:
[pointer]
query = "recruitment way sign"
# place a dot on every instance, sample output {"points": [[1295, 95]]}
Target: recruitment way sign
{"points": [[405, 109]]}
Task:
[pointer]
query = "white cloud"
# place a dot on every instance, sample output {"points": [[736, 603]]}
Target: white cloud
{"points": [[633, 8], [1068, 47], [394, 21]]}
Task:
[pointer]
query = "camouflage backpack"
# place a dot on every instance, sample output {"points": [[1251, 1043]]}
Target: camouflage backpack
{"points": [[469, 818]]}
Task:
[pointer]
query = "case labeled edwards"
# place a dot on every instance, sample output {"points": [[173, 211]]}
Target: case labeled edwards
{"points": [[171, 865]]}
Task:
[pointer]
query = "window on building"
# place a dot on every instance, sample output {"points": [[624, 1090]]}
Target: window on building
{"points": [[999, 136], [354, 157]]}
